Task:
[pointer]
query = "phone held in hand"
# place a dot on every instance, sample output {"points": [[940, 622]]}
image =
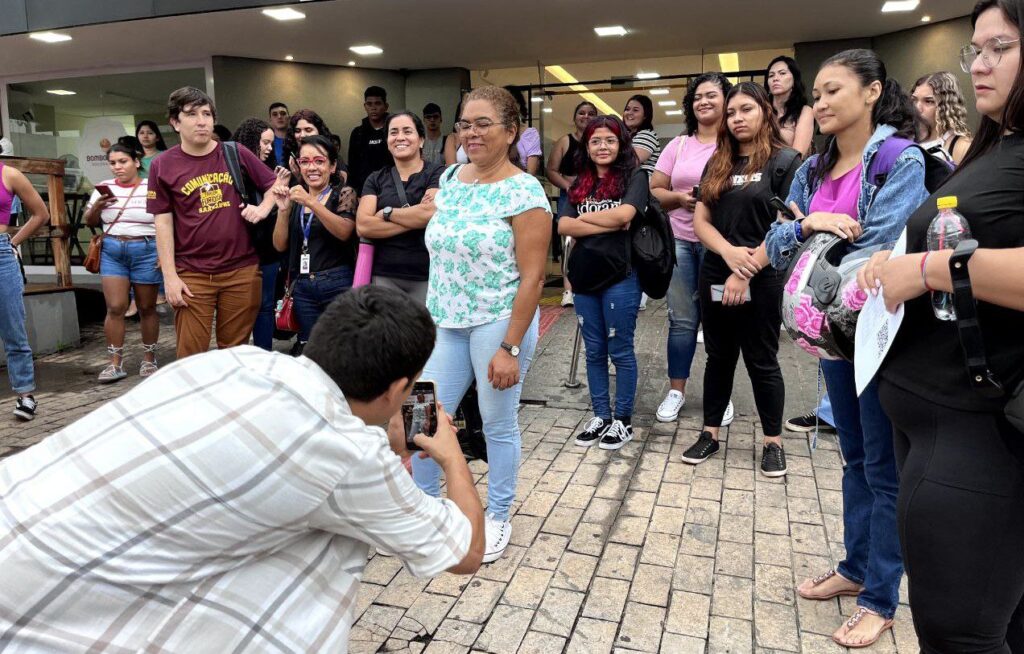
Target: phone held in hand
{"points": [[419, 412], [104, 190], [696, 192], [718, 292], [780, 206]]}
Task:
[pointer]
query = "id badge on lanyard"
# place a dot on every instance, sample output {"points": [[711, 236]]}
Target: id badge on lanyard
{"points": [[304, 257]]}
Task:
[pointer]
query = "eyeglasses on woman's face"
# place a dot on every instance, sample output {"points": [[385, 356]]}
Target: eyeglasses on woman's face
{"points": [[991, 53], [480, 126]]}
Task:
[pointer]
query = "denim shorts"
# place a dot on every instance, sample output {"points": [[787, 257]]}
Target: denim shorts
{"points": [[135, 260]]}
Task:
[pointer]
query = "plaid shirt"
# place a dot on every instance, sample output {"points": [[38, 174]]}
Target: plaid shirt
{"points": [[227, 504]]}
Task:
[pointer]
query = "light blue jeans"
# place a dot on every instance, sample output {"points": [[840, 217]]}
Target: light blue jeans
{"points": [[12, 321], [459, 357], [683, 308]]}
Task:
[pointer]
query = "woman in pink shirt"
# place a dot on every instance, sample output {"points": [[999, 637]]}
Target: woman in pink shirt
{"points": [[675, 179]]}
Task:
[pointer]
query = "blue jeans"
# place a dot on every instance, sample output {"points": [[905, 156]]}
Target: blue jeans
{"points": [[870, 488], [459, 357], [684, 309], [12, 321], [263, 328], [312, 293], [607, 322], [133, 260], [824, 410]]}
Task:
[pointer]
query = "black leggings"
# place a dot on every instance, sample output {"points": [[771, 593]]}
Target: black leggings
{"points": [[961, 522], [751, 328]]}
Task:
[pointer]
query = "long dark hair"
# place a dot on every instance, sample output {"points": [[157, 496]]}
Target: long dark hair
{"points": [[691, 93], [989, 131], [767, 142], [797, 96], [648, 108], [291, 146], [248, 135], [325, 145], [893, 106], [613, 185], [160, 144]]}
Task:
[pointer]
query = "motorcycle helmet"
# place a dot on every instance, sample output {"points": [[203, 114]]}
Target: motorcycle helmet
{"points": [[821, 299]]}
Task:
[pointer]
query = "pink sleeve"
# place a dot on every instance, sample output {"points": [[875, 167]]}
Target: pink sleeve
{"points": [[531, 142], [667, 160]]}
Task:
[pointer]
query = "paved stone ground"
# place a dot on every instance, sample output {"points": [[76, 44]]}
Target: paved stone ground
{"points": [[611, 551]]}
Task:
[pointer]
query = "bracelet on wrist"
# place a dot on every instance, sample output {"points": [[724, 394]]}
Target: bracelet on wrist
{"points": [[798, 231], [924, 272]]}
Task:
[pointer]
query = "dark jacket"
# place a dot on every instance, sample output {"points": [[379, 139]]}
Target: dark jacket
{"points": [[367, 153]]}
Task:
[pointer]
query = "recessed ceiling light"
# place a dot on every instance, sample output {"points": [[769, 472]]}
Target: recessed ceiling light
{"points": [[60, 92], [666, 103], [289, 58], [548, 110], [351, 63], [926, 19], [900, 5], [366, 50], [537, 98], [611, 30], [659, 91], [647, 75], [284, 13], [49, 37], [674, 112]]}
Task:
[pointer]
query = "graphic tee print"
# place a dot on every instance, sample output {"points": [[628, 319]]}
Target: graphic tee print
{"points": [[474, 275]]}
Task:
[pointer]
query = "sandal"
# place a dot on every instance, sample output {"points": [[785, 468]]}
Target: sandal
{"points": [[113, 373], [820, 579], [147, 368], [855, 620]]}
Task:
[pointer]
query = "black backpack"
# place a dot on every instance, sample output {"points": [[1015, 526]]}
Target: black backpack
{"points": [[653, 250]]}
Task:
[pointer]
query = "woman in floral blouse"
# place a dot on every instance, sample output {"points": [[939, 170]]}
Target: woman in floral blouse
{"points": [[488, 243]]}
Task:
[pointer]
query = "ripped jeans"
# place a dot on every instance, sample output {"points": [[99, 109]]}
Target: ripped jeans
{"points": [[684, 309], [608, 320]]}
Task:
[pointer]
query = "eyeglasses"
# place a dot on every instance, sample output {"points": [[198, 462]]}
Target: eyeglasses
{"points": [[318, 161], [609, 142], [991, 53], [479, 127]]}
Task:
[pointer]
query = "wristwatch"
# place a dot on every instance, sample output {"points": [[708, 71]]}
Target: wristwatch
{"points": [[511, 349], [387, 214]]}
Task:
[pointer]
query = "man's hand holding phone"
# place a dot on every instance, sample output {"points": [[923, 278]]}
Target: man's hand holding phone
{"points": [[443, 447]]}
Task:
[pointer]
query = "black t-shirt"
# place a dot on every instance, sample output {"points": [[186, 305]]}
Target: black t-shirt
{"points": [[926, 358], [325, 250], [743, 214], [403, 256], [596, 262]]}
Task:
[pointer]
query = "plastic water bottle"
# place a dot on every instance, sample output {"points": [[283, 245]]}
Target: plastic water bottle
{"points": [[945, 232]]}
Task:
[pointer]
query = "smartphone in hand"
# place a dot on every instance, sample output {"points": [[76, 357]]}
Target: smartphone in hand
{"points": [[104, 190], [718, 292], [780, 206], [419, 412]]}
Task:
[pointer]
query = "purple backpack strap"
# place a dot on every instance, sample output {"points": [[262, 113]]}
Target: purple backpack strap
{"points": [[884, 158]]}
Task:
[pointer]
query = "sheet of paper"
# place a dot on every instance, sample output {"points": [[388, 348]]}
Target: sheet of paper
{"points": [[876, 330]]}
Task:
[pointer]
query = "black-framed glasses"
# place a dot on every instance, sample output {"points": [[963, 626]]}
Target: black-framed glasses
{"points": [[991, 53]]}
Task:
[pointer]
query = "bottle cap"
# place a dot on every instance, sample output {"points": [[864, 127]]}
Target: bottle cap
{"points": [[947, 202]]}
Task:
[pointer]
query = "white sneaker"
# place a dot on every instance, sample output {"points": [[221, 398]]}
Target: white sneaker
{"points": [[668, 410], [730, 413], [700, 336], [496, 536], [566, 298], [643, 302]]}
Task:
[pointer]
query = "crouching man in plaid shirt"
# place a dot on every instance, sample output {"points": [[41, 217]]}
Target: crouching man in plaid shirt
{"points": [[228, 504]]}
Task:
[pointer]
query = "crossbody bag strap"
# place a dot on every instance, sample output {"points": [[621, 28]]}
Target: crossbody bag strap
{"points": [[121, 212], [235, 168], [399, 186]]}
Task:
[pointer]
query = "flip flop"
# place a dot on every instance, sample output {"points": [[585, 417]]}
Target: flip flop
{"points": [[854, 620], [820, 579]]}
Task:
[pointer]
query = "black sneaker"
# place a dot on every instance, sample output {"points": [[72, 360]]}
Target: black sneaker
{"points": [[25, 408], [699, 452], [617, 435], [592, 432], [807, 422], [773, 460]]}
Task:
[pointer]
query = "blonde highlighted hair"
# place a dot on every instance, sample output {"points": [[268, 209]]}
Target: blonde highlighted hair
{"points": [[950, 110]]}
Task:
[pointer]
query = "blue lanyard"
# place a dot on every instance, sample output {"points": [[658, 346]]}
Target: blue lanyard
{"points": [[306, 224]]}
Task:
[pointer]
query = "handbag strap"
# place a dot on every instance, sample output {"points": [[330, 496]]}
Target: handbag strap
{"points": [[123, 207], [399, 186]]}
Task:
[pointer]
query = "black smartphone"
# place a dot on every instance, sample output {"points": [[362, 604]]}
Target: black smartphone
{"points": [[419, 412], [696, 192], [781, 207]]}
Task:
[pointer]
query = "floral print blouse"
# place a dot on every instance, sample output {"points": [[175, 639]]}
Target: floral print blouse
{"points": [[474, 275]]}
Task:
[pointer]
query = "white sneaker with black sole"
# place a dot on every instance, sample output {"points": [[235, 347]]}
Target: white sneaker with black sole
{"points": [[730, 413], [617, 435], [497, 534], [25, 408], [592, 431], [668, 410]]}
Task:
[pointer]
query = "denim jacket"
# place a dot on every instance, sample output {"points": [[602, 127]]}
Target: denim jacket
{"points": [[882, 213]]}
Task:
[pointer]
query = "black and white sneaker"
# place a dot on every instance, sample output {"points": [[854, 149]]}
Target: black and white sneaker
{"points": [[807, 422], [593, 431], [699, 452], [617, 435], [25, 408], [773, 461]]}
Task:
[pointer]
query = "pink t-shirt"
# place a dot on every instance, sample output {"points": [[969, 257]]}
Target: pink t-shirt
{"points": [[684, 169], [838, 195]]}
